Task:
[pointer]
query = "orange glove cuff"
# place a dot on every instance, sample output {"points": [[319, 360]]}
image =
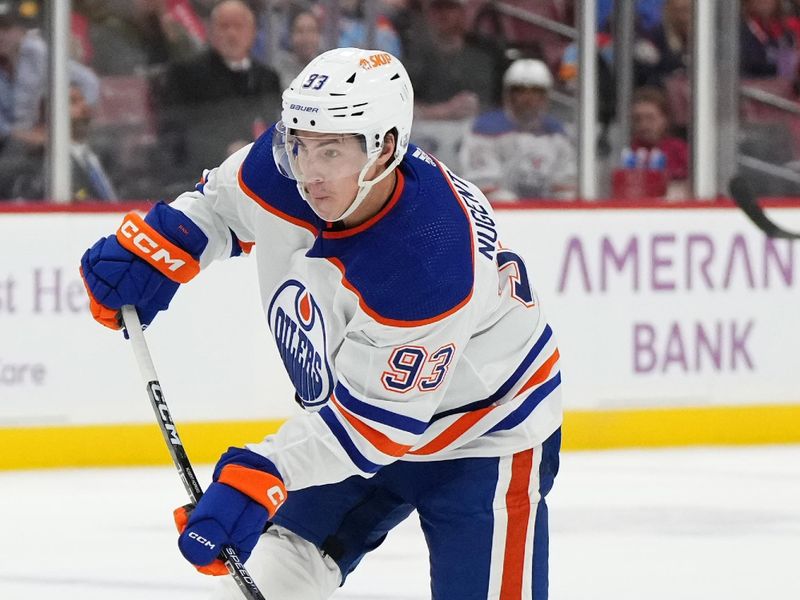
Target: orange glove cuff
{"points": [[108, 317], [259, 486], [136, 236], [181, 517], [215, 568]]}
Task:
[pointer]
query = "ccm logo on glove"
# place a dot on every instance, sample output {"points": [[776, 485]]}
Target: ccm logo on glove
{"points": [[201, 539], [138, 237]]}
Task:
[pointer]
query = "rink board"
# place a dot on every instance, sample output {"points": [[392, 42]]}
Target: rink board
{"points": [[676, 326]]}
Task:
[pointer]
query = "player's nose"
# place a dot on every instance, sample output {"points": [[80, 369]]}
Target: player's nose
{"points": [[313, 172]]}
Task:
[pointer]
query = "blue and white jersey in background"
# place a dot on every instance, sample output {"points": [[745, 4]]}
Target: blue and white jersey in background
{"points": [[509, 162], [413, 336]]}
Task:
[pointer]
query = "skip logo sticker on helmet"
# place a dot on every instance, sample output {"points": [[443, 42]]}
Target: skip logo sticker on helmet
{"points": [[375, 60]]}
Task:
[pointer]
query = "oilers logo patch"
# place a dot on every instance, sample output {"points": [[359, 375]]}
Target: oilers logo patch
{"points": [[299, 330]]}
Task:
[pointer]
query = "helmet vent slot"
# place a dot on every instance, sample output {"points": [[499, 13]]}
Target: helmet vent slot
{"points": [[352, 78], [360, 104], [395, 76], [357, 114]]}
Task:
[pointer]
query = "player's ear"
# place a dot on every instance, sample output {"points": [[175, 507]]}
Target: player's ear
{"points": [[389, 146]]}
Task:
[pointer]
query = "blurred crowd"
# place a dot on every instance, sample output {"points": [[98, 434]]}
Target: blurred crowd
{"points": [[162, 89]]}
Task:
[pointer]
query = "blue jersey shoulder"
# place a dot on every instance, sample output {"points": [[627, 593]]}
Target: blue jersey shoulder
{"points": [[495, 122], [413, 263], [552, 126], [261, 180]]}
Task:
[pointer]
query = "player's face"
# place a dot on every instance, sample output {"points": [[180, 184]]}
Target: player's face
{"points": [[526, 102], [306, 35], [232, 31], [328, 166], [649, 122]]}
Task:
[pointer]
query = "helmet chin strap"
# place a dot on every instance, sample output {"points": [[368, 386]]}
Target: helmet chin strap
{"points": [[364, 187]]}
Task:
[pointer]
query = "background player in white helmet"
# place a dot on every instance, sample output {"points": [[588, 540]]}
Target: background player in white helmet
{"points": [[414, 341], [521, 151]]}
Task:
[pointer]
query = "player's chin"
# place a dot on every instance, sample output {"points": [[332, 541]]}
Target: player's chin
{"points": [[326, 207]]}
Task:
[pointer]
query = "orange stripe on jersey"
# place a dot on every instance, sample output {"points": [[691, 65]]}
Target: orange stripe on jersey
{"points": [[247, 247], [452, 432], [398, 191], [518, 506], [541, 374], [373, 436], [385, 320], [466, 421], [170, 260], [269, 208]]}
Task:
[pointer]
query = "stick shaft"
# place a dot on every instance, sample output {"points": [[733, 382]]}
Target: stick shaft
{"points": [[176, 450]]}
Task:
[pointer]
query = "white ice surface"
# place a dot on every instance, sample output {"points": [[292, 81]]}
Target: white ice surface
{"points": [[710, 524]]}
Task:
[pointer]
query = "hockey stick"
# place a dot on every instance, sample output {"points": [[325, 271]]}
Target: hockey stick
{"points": [[228, 555], [743, 195]]}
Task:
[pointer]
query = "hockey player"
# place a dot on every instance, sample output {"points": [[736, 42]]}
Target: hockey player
{"points": [[521, 151], [414, 340]]}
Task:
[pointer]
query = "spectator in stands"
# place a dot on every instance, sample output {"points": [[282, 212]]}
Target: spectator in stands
{"points": [[139, 36], [274, 23], [520, 151], [225, 69], [305, 42], [768, 44], [218, 101], [648, 13], [354, 29], [671, 44], [22, 175], [651, 128], [454, 74], [23, 73], [606, 83], [407, 18]]}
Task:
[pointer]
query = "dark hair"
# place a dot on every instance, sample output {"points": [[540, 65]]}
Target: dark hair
{"points": [[296, 15], [653, 95]]}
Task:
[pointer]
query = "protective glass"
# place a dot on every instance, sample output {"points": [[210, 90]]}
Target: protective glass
{"points": [[311, 157]]}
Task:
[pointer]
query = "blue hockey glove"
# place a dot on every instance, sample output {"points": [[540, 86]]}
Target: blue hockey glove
{"points": [[142, 265], [246, 491]]}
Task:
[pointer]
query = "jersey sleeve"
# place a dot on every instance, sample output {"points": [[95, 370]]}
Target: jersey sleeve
{"points": [[480, 160], [219, 207], [390, 381]]}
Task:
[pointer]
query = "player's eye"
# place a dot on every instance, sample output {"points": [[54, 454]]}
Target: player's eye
{"points": [[331, 153]]}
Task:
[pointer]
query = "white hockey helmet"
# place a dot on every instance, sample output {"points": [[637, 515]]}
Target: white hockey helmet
{"points": [[347, 91], [528, 72]]}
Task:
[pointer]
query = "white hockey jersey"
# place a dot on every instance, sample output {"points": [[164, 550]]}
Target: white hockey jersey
{"points": [[509, 163], [413, 336]]}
